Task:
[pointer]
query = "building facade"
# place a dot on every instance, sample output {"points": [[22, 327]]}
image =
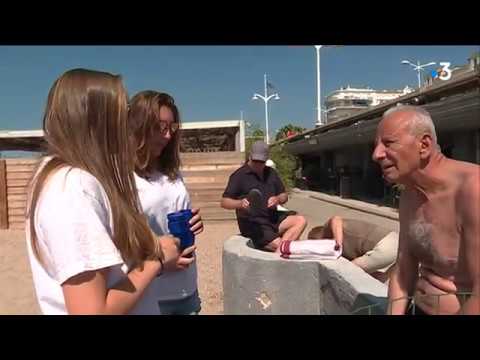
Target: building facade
{"points": [[348, 101]]}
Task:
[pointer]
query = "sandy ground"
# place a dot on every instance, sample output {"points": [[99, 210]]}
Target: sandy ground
{"points": [[18, 296], [209, 257]]}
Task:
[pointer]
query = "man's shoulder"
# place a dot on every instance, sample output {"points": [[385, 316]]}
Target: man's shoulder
{"points": [[240, 171], [469, 189], [274, 173]]}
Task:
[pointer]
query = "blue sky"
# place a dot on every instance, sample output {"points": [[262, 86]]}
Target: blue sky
{"points": [[213, 82]]}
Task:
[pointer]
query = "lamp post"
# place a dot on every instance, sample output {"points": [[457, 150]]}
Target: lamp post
{"points": [[319, 97], [319, 111], [266, 98], [418, 68]]}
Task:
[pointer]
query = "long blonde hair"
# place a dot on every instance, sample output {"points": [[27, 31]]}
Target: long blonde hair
{"points": [[85, 126]]}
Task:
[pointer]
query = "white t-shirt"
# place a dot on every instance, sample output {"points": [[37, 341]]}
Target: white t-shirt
{"points": [[73, 223], [159, 196]]}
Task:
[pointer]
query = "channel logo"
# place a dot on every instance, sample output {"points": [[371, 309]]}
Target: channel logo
{"points": [[443, 73]]}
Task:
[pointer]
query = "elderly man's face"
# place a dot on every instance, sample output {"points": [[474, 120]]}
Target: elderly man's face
{"points": [[396, 150]]}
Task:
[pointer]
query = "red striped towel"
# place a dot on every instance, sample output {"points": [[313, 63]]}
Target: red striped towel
{"points": [[322, 249]]}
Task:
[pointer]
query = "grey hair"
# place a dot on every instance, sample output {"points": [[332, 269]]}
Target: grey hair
{"points": [[420, 123]]}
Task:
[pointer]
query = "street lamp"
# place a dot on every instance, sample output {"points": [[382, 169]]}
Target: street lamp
{"points": [[266, 99], [319, 98], [418, 68], [319, 109]]}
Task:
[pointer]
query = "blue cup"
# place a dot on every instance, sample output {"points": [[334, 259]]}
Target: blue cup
{"points": [[179, 227]]}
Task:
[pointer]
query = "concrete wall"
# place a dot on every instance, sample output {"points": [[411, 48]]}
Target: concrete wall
{"points": [[256, 282]]}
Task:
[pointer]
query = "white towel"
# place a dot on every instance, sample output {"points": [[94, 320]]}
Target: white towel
{"points": [[322, 249]]}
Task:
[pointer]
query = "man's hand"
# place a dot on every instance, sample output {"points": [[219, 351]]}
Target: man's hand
{"points": [[244, 204], [273, 202], [445, 284], [335, 226]]}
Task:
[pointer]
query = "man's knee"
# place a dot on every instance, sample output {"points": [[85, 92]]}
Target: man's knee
{"points": [[300, 221]]}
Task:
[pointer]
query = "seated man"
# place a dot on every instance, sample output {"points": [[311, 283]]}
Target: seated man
{"points": [[254, 191], [372, 248]]}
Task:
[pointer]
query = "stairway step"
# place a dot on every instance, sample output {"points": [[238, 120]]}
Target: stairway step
{"points": [[206, 180], [207, 173], [220, 158], [203, 167], [193, 186], [206, 198], [206, 204]]}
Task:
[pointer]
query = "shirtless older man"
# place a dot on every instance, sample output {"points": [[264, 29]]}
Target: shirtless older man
{"points": [[439, 244]]}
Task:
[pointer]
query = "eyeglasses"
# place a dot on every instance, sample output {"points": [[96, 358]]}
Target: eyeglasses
{"points": [[163, 127]]}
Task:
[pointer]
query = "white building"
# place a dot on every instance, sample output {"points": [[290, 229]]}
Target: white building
{"points": [[348, 101]]}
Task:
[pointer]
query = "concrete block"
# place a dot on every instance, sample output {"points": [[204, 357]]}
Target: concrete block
{"points": [[257, 282]]}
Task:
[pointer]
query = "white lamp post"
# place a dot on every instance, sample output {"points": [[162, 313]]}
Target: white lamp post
{"points": [[266, 98], [319, 111], [418, 68], [319, 97]]}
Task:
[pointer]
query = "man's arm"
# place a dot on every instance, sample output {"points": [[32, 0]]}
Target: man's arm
{"points": [[335, 226], [282, 196], [231, 192], [279, 199], [405, 273], [470, 206], [232, 204]]}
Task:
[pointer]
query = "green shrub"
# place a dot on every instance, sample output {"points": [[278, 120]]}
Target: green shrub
{"points": [[286, 164]]}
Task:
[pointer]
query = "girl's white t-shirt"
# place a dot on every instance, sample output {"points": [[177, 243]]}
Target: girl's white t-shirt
{"points": [[73, 223], [159, 196]]}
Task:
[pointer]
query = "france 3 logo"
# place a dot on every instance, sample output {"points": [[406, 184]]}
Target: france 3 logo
{"points": [[443, 73]]}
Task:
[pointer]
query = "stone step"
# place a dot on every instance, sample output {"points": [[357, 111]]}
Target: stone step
{"points": [[206, 205], [205, 187], [206, 180], [204, 183], [207, 173], [217, 158], [203, 167], [206, 197], [214, 176]]}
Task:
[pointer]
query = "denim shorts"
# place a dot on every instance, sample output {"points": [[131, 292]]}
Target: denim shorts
{"points": [[188, 306]]}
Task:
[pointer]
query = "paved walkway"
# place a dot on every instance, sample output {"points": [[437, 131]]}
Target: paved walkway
{"points": [[317, 211]]}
